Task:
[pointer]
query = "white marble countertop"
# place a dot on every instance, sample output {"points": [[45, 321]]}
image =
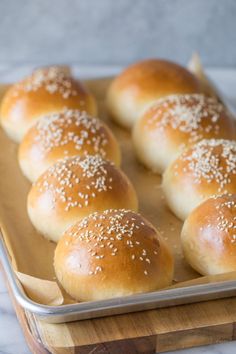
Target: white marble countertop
{"points": [[11, 337]]}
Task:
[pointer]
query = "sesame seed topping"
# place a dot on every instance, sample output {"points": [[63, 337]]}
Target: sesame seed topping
{"points": [[193, 114], [67, 175], [211, 160], [226, 211], [73, 128], [52, 79], [102, 228]]}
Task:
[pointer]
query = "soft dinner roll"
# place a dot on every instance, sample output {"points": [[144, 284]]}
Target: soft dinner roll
{"points": [[208, 168], [135, 89], [110, 254], [176, 122], [47, 90], [209, 236], [72, 189], [67, 133]]}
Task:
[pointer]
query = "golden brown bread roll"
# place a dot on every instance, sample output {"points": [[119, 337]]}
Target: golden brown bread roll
{"points": [[110, 254], [176, 122], [72, 189], [68, 133], [139, 85], [208, 168], [209, 236], [47, 90]]}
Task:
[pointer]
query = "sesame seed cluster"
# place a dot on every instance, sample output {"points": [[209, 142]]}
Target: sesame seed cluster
{"points": [[71, 127], [53, 79], [226, 216], [64, 180], [211, 160], [187, 113], [114, 231]]}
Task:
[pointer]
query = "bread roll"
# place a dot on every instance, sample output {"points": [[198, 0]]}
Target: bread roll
{"points": [[47, 90], [175, 123], [72, 189], [68, 133], [209, 238], [206, 169], [138, 86], [111, 254]]}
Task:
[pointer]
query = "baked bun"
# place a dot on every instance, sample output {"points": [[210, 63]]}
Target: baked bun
{"points": [[209, 238], [206, 169], [111, 254], [47, 90], [175, 123], [135, 89], [68, 133], [72, 189]]}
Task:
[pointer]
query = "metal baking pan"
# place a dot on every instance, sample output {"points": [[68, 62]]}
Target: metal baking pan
{"points": [[140, 302], [215, 288]]}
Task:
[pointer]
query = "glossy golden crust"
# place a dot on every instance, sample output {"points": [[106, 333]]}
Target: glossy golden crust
{"points": [[46, 91], [72, 189], [209, 236], [68, 133], [206, 169], [135, 89], [175, 123], [111, 254]]}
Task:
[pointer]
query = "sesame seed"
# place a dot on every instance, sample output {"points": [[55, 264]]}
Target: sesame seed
{"points": [[211, 160], [70, 127], [52, 79], [226, 220], [102, 235], [69, 173], [195, 115]]}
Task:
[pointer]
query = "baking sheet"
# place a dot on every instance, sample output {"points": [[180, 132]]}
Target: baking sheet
{"points": [[32, 255]]}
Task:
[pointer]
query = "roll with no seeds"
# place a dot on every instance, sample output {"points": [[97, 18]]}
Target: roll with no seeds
{"points": [[208, 168], [110, 254], [68, 133], [47, 90], [72, 189], [209, 236], [142, 83], [175, 123]]}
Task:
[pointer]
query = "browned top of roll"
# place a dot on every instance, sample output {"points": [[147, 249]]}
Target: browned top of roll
{"points": [[216, 216], [150, 75], [68, 133], [186, 119], [209, 166], [209, 235], [81, 183], [47, 90], [139, 85], [110, 254]]}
